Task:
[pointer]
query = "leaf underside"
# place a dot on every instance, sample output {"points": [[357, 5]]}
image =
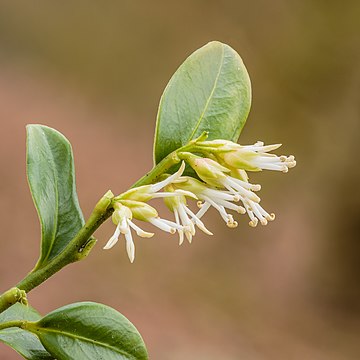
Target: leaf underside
{"points": [[23, 342], [51, 177]]}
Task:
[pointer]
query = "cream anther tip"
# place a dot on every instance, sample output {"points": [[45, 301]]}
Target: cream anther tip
{"points": [[253, 223]]}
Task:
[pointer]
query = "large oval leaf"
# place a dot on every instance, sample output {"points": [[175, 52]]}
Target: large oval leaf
{"points": [[51, 176], [25, 343], [89, 331], [210, 91]]}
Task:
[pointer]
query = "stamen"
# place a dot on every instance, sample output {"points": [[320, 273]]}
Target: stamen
{"points": [[198, 222], [231, 183], [227, 204], [231, 223], [221, 194], [158, 186], [253, 220], [258, 214], [204, 208], [219, 208]]}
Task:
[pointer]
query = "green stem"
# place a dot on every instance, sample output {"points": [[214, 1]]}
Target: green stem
{"points": [[12, 296], [162, 167], [77, 249], [13, 323], [80, 246], [169, 161], [73, 251]]}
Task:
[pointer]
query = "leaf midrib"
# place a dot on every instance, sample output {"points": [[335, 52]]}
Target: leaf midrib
{"points": [[56, 220], [78, 337], [210, 95]]}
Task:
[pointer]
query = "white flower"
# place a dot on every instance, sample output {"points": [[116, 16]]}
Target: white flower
{"points": [[122, 217], [125, 211], [250, 157], [183, 215], [224, 185]]}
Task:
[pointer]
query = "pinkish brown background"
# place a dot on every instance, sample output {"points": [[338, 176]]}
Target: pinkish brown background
{"points": [[96, 70]]}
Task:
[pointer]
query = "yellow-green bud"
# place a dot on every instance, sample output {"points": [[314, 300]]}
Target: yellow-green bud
{"points": [[140, 210], [208, 170]]}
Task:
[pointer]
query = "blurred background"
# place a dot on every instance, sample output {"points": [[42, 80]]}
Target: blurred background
{"points": [[96, 70]]}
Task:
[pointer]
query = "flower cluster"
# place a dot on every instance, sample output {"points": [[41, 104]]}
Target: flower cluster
{"points": [[222, 183]]}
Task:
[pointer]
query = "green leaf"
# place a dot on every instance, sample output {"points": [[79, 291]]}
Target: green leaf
{"points": [[89, 331], [25, 343], [210, 91], [51, 176]]}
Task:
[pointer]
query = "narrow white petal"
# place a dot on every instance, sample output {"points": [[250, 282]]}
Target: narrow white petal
{"points": [[158, 186], [186, 193], [188, 236], [186, 222], [130, 246], [114, 239], [140, 232], [174, 193]]}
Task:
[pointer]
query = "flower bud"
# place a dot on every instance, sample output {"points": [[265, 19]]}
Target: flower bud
{"points": [[140, 210], [208, 170]]}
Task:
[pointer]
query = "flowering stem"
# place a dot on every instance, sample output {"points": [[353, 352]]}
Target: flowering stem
{"points": [[80, 246]]}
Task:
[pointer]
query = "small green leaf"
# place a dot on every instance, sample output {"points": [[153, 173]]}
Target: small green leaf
{"points": [[51, 176], [25, 343], [89, 331], [210, 91]]}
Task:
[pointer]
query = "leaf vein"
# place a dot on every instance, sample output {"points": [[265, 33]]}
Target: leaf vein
{"points": [[210, 96]]}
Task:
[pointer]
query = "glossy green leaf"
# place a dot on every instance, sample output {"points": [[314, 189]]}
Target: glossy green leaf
{"points": [[51, 176], [210, 91], [90, 331], [25, 343]]}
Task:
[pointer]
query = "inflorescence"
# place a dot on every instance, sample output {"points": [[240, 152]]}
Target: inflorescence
{"points": [[222, 183]]}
